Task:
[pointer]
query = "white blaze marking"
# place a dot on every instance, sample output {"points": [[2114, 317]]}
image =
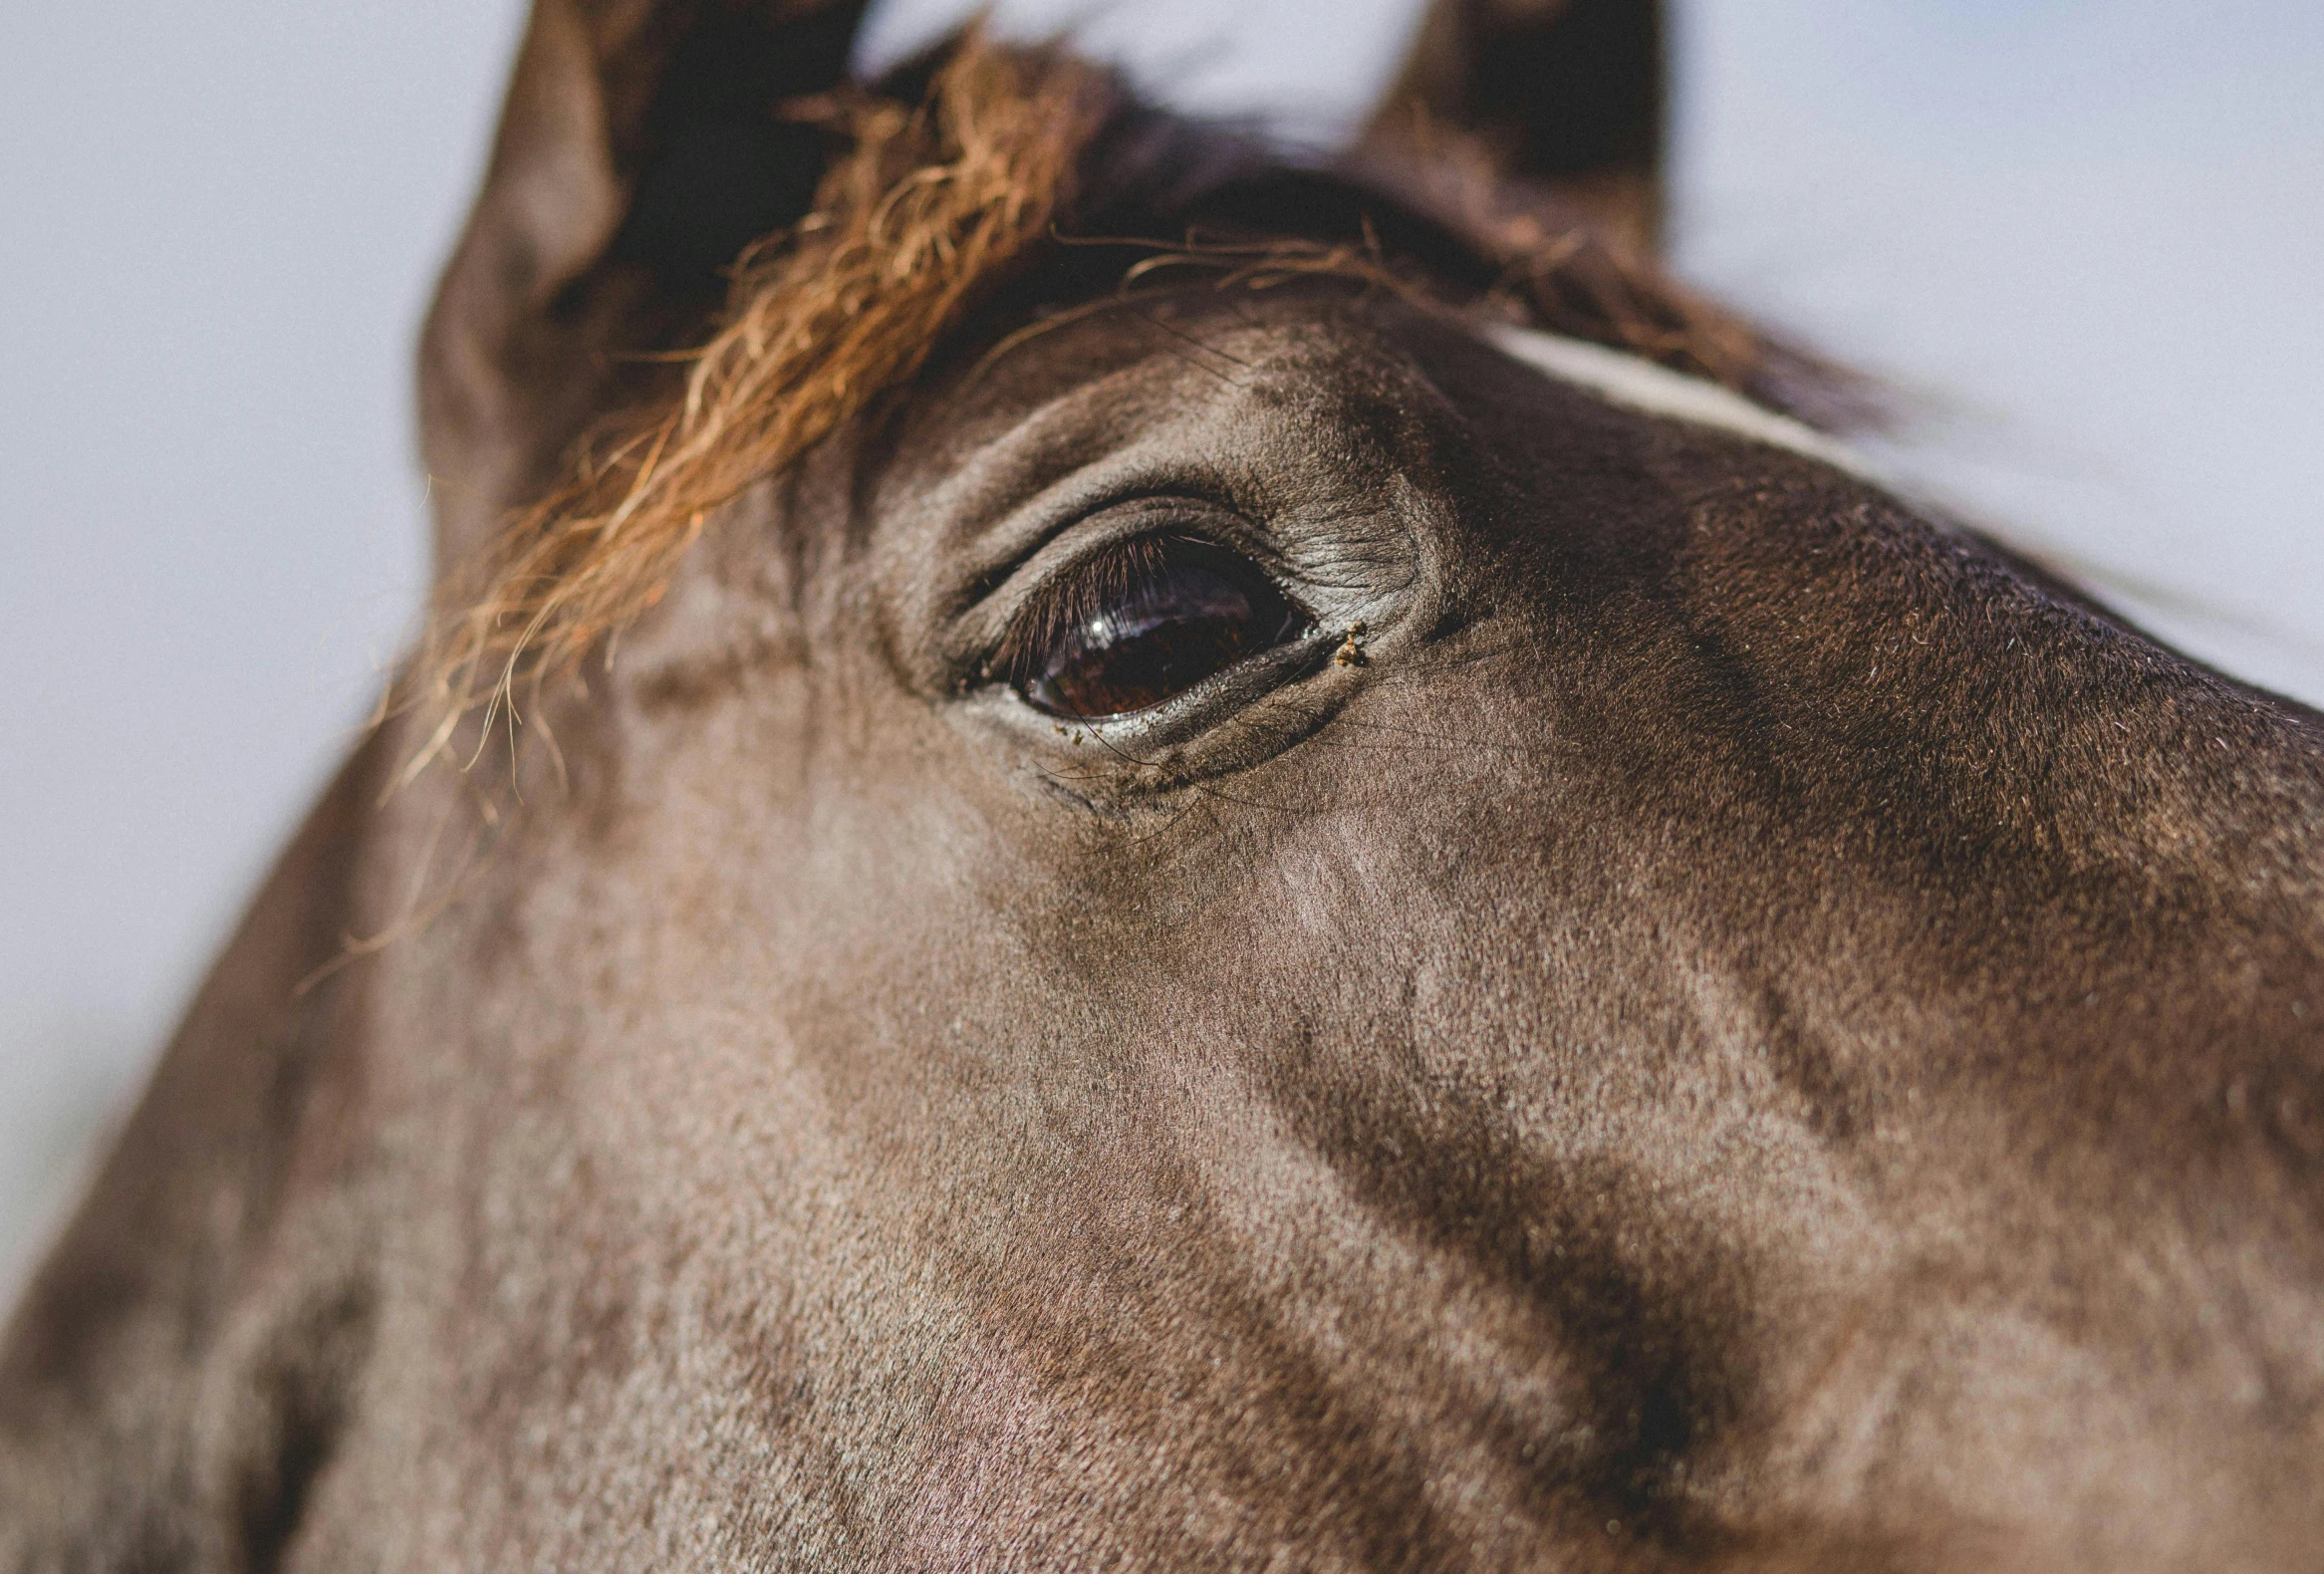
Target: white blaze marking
{"points": [[1640, 385]]}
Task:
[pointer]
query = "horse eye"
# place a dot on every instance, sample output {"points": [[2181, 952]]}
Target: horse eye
{"points": [[1141, 623]]}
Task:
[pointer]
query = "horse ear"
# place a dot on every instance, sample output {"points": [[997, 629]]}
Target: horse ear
{"points": [[1564, 92], [643, 143]]}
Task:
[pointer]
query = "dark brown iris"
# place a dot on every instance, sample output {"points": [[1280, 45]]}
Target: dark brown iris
{"points": [[1140, 624]]}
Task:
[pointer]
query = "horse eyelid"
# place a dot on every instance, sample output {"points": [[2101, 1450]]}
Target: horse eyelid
{"points": [[1078, 591]]}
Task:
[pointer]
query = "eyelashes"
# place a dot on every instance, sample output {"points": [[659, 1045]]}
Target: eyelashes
{"points": [[1140, 623]]}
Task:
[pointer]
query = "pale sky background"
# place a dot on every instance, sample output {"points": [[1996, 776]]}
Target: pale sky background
{"points": [[2091, 233]]}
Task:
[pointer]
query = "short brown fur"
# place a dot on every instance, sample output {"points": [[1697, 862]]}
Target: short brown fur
{"points": [[1673, 1015]]}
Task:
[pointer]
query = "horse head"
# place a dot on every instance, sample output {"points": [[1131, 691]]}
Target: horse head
{"points": [[1115, 851]]}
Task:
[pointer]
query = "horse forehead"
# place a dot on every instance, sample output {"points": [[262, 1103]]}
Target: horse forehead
{"points": [[1225, 372], [1221, 390], [1635, 384]]}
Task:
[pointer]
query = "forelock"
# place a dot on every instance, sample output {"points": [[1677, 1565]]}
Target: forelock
{"points": [[1008, 164]]}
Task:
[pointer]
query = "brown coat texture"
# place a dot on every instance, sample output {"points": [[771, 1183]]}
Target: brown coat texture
{"points": [[1687, 1016]]}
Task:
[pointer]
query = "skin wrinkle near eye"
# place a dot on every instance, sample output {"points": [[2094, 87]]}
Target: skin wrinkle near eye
{"points": [[1201, 451], [1327, 462], [1243, 457]]}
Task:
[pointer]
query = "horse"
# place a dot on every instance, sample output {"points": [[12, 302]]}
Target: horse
{"points": [[1116, 850]]}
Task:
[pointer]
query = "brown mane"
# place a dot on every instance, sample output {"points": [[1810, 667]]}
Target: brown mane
{"points": [[937, 205]]}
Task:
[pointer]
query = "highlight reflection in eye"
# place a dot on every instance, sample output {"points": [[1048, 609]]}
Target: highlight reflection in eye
{"points": [[1140, 623]]}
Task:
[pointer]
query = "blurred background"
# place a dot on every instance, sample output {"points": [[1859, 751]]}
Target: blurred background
{"points": [[2086, 233]]}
